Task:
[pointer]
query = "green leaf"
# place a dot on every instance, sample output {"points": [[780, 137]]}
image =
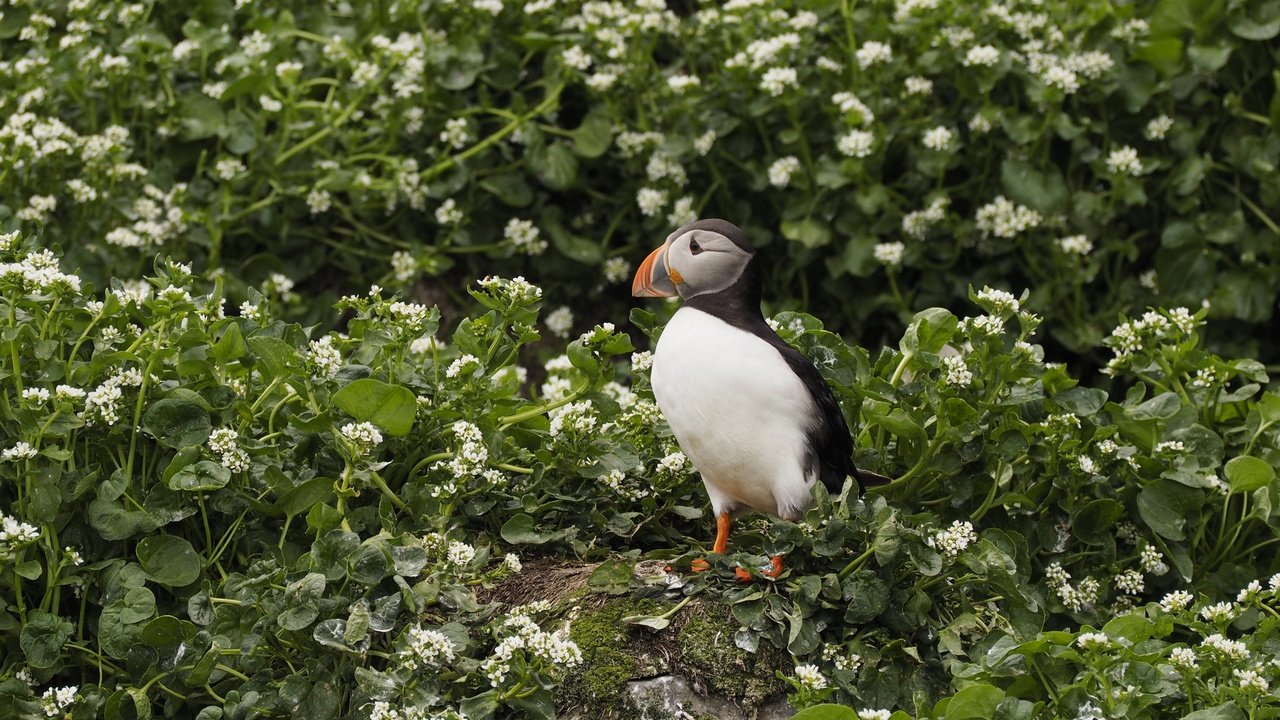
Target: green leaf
{"points": [[169, 560], [42, 638], [554, 165], [1164, 505], [808, 232], [592, 138], [199, 116], [390, 407], [1247, 473], [1161, 407], [519, 531], [510, 188], [305, 496], [1081, 401], [1041, 189], [199, 477], [177, 422], [867, 596], [1225, 711], [929, 331], [1259, 29], [1095, 522], [612, 576], [230, 346], [974, 701], [826, 711]]}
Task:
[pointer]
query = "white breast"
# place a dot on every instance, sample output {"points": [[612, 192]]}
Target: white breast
{"points": [[738, 412]]}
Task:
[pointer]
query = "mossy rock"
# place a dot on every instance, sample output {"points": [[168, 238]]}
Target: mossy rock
{"points": [[698, 648]]}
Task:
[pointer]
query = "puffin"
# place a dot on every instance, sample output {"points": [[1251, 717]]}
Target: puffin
{"points": [[752, 413]]}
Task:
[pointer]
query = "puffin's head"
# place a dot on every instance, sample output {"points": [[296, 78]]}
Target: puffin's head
{"points": [[705, 256]]}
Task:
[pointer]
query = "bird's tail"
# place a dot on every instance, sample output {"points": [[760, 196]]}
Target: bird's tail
{"points": [[867, 479]]}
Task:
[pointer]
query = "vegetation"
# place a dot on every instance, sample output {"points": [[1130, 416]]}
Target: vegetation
{"points": [[239, 482]]}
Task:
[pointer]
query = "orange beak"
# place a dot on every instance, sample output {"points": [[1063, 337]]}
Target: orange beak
{"points": [[653, 279]]}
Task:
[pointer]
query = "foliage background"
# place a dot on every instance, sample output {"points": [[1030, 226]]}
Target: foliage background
{"points": [[247, 515]]}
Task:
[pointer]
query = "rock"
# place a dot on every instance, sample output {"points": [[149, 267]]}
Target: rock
{"points": [[671, 697]]}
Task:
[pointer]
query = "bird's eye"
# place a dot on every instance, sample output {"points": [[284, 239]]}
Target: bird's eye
{"points": [[694, 248]]}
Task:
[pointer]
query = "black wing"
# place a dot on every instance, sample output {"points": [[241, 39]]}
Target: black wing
{"points": [[830, 444]]}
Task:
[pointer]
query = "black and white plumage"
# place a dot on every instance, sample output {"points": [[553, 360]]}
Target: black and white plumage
{"points": [[753, 414]]}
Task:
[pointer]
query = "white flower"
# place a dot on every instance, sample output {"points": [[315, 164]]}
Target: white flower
{"points": [[856, 143], [35, 396], [1062, 78], [73, 555], [1130, 581], [919, 86], [1075, 245], [1251, 680], [1218, 612], [288, 70], [1093, 641], [21, 451], [426, 649], [957, 372], [616, 269], [319, 201], [782, 169], [1176, 601], [641, 361], [455, 133], [953, 540], [460, 553], [1124, 161], [868, 714], [985, 55], [1152, 561], [56, 701], [1003, 218], [467, 364], [849, 103], [1231, 649], [523, 236], [979, 124], [680, 83], [1001, 301], [1249, 592], [776, 80], [918, 222], [704, 142], [364, 436], [939, 138], [673, 463], [323, 358], [512, 563], [1158, 127], [872, 53], [651, 201], [270, 104], [576, 58], [682, 212], [560, 321], [1183, 657], [889, 253], [810, 677]]}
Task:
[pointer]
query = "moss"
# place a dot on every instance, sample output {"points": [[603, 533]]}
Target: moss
{"points": [[711, 659], [612, 653]]}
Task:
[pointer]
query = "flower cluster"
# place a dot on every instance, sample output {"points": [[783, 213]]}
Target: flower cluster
{"points": [[552, 653], [953, 540], [224, 442], [13, 534]]}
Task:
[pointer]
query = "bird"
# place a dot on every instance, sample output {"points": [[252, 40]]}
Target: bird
{"points": [[753, 414]]}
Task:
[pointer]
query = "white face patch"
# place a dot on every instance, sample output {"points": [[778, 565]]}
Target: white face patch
{"points": [[705, 261]]}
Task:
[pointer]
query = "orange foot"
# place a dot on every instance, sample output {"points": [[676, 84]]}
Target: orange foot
{"points": [[775, 569]]}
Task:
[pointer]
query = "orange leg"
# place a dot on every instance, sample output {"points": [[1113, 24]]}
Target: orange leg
{"points": [[722, 541], [775, 569]]}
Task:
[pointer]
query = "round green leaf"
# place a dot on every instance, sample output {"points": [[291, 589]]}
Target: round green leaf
{"points": [[42, 638], [1247, 473], [177, 422], [390, 407], [975, 701], [201, 476], [169, 560], [826, 712]]}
